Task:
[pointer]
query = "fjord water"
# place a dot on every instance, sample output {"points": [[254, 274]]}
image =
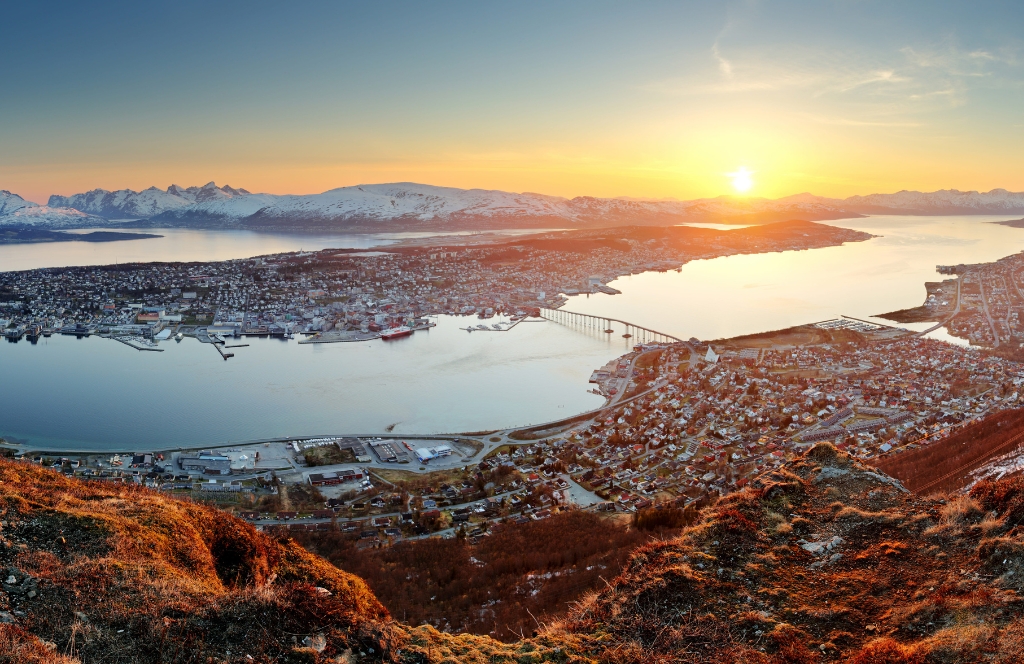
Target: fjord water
{"points": [[99, 394], [182, 244], [745, 294]]}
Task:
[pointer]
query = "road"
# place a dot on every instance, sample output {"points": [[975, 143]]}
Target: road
{"points": [[991, 323], [951, 316], [577, 496]]}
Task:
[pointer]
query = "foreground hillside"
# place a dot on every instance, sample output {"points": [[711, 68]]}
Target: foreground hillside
{"points": [[109, 573], [823, 560]]}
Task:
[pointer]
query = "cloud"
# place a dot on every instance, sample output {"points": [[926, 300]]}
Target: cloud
{"points": [[723, 65], [850, 122]]}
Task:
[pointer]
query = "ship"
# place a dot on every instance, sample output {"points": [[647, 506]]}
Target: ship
{"points": [[395, 333]]}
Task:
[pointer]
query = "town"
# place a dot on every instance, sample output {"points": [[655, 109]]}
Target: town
{"points": [[337, 295], [684, 424]]}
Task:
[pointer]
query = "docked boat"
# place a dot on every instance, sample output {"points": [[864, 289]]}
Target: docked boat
{"points": [[179, 336], [395, 333]]}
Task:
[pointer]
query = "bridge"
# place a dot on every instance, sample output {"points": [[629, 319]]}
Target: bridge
{"points": [[604, 324]]}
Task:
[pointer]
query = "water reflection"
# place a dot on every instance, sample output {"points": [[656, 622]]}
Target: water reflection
{"points": [[178, 244], [734, 295], [99, 394]]}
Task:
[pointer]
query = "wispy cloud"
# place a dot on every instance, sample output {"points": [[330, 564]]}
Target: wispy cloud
{"points": [[723, 65], [893, 86], [852, 122]]}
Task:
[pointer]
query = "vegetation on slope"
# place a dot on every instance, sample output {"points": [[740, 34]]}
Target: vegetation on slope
{"points": [[111, 573], [824, 560], [503, 586], [946, 465]]}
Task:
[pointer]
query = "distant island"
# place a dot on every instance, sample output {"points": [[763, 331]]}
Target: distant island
{"points": [[35, 235], [1012, 223]]}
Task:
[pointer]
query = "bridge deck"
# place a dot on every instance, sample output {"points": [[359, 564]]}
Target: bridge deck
{"points": [[554, 313]]}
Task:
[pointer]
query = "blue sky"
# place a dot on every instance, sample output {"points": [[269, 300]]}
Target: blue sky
{"points": [[569, 98]]}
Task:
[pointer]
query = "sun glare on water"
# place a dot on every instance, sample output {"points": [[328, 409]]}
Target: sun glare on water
{"points": [[741, 180]]}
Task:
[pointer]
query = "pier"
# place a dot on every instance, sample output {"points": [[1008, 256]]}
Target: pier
{"points": [[603, 323], [223, 353], [138, 343]]}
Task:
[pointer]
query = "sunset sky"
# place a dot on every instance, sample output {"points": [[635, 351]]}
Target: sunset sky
{"points": [[567, 98]]}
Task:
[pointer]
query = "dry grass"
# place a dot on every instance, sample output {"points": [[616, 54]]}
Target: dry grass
{"points": [[147, 574], [141, 578]]}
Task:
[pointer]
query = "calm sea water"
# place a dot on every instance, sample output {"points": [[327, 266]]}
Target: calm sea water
{"points": [[734, 295], [99, 394], [94, 394], [177, 244]]}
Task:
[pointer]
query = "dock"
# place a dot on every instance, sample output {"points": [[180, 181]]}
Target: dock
{"points": [[222, 352], [490, 328], [333, 337], [131, 343]]}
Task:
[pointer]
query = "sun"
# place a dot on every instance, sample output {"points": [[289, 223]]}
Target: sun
{"points": [[741, 180]]}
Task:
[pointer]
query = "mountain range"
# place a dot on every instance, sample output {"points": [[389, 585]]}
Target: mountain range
{"points": [[410, 206]]}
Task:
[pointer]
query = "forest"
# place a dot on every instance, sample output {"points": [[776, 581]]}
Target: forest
{"points": [[507, 584]]}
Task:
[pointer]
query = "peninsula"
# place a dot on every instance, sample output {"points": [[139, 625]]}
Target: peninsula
{"points": [[36, 235]]}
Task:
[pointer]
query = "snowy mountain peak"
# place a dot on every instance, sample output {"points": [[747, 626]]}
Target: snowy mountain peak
{"points": [[16, 211], [9, 202], [400, 205], [129, 204]]}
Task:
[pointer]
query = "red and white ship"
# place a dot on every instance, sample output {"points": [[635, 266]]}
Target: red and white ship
{"points": [[395, 333]]}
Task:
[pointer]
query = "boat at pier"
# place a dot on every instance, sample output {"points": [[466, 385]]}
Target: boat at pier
{"points": [[395, 333]]}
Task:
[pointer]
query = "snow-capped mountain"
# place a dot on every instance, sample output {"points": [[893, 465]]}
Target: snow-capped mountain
{"points": [[16, 211], [944, 201], [10, 202], [410, 206], [128, 204]]}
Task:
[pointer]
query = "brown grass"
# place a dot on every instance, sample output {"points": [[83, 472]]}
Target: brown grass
{"points": [[128, 575], [164, 572], [927, 468]]}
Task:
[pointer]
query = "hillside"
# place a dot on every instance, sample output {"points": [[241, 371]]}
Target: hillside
{"points": [[110, 573], [824, 560], [953, 462]]}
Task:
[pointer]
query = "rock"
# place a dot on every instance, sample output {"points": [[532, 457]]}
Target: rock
{"points": [[7, 618], [317, 643], [819, 548]]}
